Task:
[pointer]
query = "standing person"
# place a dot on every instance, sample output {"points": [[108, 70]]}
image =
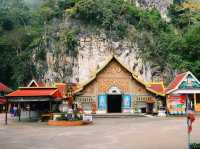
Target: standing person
{"points": [[11, 111], [15, 111]]}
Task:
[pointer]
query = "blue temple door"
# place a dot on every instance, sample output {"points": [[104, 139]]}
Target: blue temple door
{"points": [[102, 102], [126, 103]]}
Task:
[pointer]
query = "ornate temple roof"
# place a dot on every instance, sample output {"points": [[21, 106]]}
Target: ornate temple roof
{"points": [[157, 88]]}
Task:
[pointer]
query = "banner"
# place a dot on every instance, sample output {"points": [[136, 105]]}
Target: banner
{"points": [[176, 104], [126, 101], [102, 102]]}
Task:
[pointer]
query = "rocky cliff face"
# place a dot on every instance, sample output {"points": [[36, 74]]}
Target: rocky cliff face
{"points": [[93, 50], [160, 5]]}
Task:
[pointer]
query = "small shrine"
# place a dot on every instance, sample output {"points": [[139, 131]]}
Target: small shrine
{"points": [[184, 85]]}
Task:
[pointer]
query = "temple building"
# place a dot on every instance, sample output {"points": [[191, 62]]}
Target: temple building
{"points": [[116, 89], [184, 85]]}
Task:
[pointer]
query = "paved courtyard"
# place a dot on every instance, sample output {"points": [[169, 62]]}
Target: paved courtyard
{"points": [[124, 133]]}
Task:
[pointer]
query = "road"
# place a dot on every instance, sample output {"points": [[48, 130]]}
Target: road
{"points": [[124, 133]]}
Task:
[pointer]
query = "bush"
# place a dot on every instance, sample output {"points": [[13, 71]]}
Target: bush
{"points": [[70, 116], [65, 4], [150, 20], [71, 42], [7, 24], [111, 15]]}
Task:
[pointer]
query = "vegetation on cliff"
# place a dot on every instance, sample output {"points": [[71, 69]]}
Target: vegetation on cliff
{"points": [[26, 31]]}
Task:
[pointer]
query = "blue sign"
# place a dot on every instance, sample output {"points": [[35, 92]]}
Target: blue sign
{"points": [[126, 101], [102, 102]]}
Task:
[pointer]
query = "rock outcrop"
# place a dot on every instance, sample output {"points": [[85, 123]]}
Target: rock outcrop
{"points": [[93, 50]]}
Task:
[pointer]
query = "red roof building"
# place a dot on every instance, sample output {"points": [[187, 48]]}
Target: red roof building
{"points": [[36, 98]]}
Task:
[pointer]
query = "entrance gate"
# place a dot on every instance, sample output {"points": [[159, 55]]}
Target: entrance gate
{"points": [[114, 103]]}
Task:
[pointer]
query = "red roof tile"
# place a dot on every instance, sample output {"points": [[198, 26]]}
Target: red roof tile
{"points": [[23, 92], [61, 87], [2, 100], [157, 88], [175, 82]]}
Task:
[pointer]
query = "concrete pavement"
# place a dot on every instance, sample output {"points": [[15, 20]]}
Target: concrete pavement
{"points": [[124, 133]]}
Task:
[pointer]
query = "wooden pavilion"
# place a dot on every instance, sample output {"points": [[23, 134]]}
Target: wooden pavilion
{"points": [[36, 99]]}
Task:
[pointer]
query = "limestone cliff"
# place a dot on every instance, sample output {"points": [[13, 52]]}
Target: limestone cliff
{"points": [[92, 51]]}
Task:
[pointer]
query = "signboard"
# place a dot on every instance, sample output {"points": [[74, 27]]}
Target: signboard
{"points": [[87, 118], [102, 102], [176, 104], [84, 99]]}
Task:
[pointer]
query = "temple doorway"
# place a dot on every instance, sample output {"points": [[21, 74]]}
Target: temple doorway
{"points": [[149, 108], [114, 103]]}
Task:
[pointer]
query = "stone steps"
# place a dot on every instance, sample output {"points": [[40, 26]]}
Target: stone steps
{"points": [[117, 115]]}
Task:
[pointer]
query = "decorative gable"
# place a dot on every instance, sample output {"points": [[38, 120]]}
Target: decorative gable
{"points": [[183, 81], [189, 82], [33, 83]]}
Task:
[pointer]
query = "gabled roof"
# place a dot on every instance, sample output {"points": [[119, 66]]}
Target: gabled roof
{"points": [[135, 76], [36, 92], [4, 88], [178, 80], [33, 83]]}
